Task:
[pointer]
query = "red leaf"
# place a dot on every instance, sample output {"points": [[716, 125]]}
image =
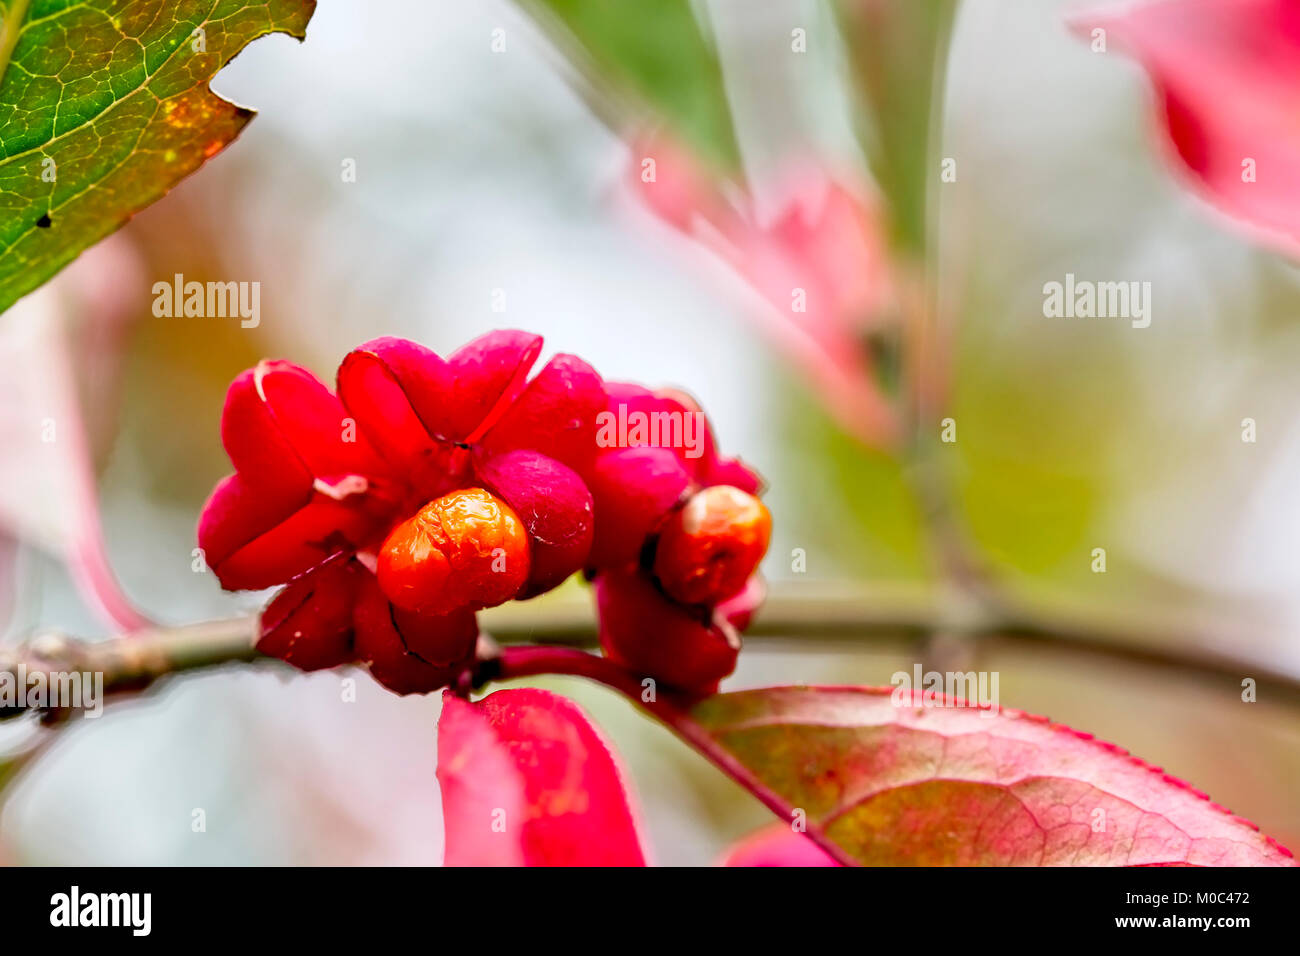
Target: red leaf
{"points": [[1227, 74], [527, 780], [47, 480], [824, 239], [954, 785]]}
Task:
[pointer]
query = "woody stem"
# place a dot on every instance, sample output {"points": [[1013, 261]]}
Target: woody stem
{"points": [[131, 662], [1176, 643]]}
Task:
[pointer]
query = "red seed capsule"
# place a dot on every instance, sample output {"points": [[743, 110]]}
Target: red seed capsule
{"points": [[709, 548], [410, 653], [641, 630], [465, 549]]}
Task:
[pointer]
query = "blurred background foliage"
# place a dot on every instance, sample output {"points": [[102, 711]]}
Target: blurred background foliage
{"points": [[480, 171]]}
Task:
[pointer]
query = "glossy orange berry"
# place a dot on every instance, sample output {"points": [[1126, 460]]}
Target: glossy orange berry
{"points": [[465, 549], [709, 548]]}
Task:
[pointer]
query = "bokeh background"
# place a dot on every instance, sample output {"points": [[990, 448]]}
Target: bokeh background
{"points": [[479, 171]]}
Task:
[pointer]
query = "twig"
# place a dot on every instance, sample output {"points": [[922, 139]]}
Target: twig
{"points": [[787, 622], [129, 663]]}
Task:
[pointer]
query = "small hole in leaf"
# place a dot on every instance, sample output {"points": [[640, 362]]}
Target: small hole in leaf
{"points": [[43, 222]]}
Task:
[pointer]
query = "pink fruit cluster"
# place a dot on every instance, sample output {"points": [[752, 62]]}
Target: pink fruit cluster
{"points": [[424, 489]]}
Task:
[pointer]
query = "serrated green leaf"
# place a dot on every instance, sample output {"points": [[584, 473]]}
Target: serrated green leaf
{"points": [[104, 107]]}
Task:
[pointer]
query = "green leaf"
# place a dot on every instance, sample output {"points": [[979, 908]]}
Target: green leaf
{"points": [[661, 60], [104, 107], [889, 779], [898, 53]]}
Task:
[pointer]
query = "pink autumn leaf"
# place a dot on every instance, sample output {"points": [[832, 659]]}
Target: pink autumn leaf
{"points": [[820, 264], [947, 785], [527, 780], [1227, 77], [48, 497], [777, 845]]}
